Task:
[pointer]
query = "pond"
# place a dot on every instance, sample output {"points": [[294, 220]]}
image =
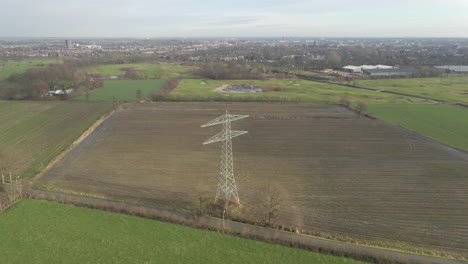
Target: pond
{"points": [[245, 89]]}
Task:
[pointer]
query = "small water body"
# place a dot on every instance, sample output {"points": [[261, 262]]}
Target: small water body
{"points": [[241, 88]]}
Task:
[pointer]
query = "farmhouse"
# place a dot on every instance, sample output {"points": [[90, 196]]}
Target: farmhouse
{"points": [[389, 72], [59, 92], [62, 92]]}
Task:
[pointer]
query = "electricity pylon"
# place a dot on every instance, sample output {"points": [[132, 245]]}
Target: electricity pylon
{"points": [[226, 182]]}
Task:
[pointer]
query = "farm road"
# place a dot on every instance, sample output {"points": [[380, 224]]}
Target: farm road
{"points": [[280, 235]]}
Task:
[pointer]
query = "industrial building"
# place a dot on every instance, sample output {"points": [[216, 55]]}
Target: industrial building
{"points": [[390, 72], [359, 69], [461, 69]]}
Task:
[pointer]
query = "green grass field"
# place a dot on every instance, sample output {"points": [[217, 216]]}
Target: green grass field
{"points": [[33, 132], [146, 70], [445, 123], [450, 89], [62, 233], [306, 91], [124, 90], [8, 67]]}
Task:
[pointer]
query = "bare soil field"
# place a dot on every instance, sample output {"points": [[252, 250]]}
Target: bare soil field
{"points": [[356, 180]]}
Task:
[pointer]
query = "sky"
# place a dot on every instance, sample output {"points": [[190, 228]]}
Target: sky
{"points": [[235, 18]]}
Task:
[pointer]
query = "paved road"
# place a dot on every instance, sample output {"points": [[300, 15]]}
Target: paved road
{"points": [[280, 235]]}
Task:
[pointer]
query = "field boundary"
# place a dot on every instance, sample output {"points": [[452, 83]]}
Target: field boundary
{"points": [[448, 146], [438, 101], [302, 77], [75, 143], [268, 235]]}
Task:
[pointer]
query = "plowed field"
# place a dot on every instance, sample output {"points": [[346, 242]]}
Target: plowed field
{"points": [[353, 179]]}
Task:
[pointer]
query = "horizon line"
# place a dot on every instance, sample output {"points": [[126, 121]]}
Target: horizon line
{"points": [[227, 37]]}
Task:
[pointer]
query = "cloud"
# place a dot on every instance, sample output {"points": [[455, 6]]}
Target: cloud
{"points": [[157, 18], [232, 21]]}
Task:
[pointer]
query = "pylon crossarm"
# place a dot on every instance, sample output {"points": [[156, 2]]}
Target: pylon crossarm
{"points": [[223, 119], [222, 136]]}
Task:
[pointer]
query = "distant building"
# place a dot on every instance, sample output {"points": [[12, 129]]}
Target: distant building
{"points": [[68, 44], [359, 69], [62, 92], [389, 72], [95, 47], [454, 68]]}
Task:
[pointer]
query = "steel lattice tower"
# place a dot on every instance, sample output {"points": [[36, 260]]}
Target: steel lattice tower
{"points": [[226, 182]]}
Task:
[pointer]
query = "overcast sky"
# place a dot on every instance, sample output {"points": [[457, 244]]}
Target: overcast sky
{"points": [[218, 18]]}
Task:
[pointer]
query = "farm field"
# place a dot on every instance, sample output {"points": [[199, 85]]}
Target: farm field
{"points": [[146, 70], [350, 179], [79, 235], [7, 67], [449, 89], [290, 90], [33, 132], [444, 123], [123, 90]]}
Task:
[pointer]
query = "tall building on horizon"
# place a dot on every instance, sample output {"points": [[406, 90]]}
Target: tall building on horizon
{"points": [[68, 44]]}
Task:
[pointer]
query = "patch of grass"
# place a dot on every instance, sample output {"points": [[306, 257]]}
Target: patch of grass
{"points": [[7, 67], [445, 123], [146, 70], [450, 89], [32, 133], [62, 233], [304, 91], [124, 90]]}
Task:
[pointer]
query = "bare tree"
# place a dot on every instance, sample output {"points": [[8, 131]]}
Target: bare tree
{"points": [[13, 191], [40, 87], [11, 163], [345, 101], [334, 59], [79, 76], [3, 163], [361, 108], [130, 73], [138, 95], [271, 202]]}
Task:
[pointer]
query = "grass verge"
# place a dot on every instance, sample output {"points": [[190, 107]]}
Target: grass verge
{"points": [[76, 235]]}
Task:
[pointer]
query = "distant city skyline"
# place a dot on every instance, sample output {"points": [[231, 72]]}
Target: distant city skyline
{"points": [[242, 18]]}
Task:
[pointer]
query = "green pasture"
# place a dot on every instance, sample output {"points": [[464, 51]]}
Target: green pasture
{"points": [[123, 90], [304, 91], [7, 67], [445, 123], [146, 70], [65, 234], [450, 89], [33, 132]]}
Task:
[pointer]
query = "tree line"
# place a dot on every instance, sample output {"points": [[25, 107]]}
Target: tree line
{"points": [[231, 71], [164, 93], [36, 82]]}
